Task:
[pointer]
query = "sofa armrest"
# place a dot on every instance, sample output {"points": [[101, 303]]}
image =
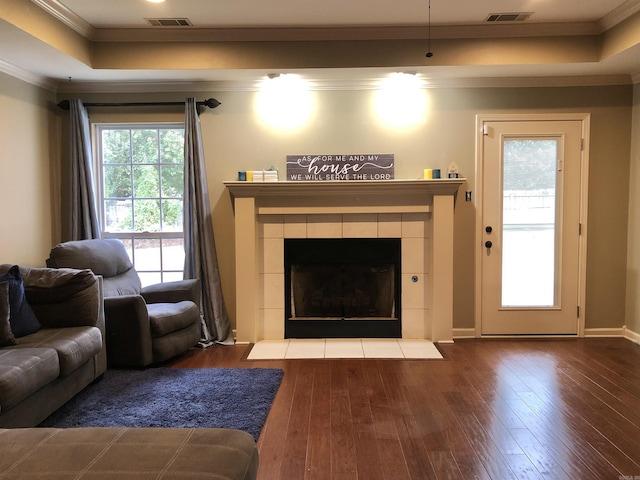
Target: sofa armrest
{"points": [[63, 297], [173, 292], [128, 332]]}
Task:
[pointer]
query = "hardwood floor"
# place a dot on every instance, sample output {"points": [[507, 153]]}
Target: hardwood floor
{"points": [[492, 409]]}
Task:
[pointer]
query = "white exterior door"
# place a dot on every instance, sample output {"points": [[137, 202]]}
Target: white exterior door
{"points": [[531, 226]]}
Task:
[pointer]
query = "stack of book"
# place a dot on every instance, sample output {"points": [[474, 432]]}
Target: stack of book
{"points": [[262, 176]]}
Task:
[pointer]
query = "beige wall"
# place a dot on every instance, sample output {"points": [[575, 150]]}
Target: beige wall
{"points": [[633, 254], [235, 140], [29, 195], [344, 122]]}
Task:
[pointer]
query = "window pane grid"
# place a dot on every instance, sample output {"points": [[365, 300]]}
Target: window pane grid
{"points": [[142, 195]]}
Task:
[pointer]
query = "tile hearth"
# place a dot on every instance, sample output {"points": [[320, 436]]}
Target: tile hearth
{"points": [[381, 348]]}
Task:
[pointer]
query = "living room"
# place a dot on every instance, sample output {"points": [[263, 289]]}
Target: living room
{"points": [[33, 168]]}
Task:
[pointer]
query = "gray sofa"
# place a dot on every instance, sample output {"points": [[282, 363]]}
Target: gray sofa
{"points": [[128, 453], [46, 368]]}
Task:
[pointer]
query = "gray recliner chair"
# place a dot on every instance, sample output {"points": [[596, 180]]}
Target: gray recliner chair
{"points": [[144, 325]]}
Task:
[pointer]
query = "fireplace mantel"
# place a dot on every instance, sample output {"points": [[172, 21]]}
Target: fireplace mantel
{"points": [[445, 186], [254, 201]]}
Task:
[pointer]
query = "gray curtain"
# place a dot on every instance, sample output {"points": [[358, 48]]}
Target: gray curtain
{"points": [[201, 260], [83, 220]]}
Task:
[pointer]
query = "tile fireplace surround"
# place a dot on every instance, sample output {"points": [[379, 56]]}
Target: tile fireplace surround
{"points": [[419, 212]]}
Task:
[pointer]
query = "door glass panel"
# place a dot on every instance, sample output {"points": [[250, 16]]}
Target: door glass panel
{"points": [[529, 230]]}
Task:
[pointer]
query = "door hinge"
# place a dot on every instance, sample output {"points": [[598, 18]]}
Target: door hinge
{"points": [[579, 229], [582, 144], [578, 311]]}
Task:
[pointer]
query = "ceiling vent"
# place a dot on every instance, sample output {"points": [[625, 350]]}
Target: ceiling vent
{"points": [[508, 17], [169, 22]]}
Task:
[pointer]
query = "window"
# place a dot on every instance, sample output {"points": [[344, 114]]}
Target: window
{"points": [[141, 171]]}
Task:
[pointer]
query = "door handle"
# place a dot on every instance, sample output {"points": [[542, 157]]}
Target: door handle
{"points": [[488, 244]]}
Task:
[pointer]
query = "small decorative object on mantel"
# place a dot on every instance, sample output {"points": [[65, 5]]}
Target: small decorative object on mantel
{"points": [[431, 173], [269, 175], [453, 170], [305, 168]]}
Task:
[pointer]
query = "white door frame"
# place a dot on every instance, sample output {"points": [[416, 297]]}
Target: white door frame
{"points": [[481, 119]]}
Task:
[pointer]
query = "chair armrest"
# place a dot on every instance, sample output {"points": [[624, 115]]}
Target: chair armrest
{"points": [[128, 331], [173, 292]]}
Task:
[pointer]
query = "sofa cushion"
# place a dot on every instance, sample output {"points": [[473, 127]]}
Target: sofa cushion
{"points": [[128, 453], [23, 320], [74, 345], [106, 257], [166, 318], [24, 371], [6, 335], [50, 285], [127, 283]]}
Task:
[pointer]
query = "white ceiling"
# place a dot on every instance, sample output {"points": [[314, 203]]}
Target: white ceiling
{"points": [[279, 13], [25, 56]]}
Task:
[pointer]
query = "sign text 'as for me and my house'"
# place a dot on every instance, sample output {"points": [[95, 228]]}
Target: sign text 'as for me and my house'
{"points": [[304, 168]]}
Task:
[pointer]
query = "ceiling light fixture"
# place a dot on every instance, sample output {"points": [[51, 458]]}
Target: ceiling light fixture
{"points": [[284, 102], [155, 1], [429, 52]]}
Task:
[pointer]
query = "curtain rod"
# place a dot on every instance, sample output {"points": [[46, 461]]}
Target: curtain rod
{"points": [[209, 102]]}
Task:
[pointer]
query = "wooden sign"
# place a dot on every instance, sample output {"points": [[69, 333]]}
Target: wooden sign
{"points": [[305, 168]]}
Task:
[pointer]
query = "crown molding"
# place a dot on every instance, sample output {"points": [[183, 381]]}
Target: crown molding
{"points": [[58, 11], [346, 84], [619, 14], [27, 76], [77, 23], [533, 82]]}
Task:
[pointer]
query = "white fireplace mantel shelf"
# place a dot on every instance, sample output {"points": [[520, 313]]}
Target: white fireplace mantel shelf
{"points": [[359, 196], [444, 186], [253, 201]]}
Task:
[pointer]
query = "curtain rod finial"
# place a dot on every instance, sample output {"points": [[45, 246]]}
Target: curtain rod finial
{"points": [[211, 102]]}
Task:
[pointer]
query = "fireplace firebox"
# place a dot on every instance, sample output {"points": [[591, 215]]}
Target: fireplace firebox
{"points": [[342, 288]]}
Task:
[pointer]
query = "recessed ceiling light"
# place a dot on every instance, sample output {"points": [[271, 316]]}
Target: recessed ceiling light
{"points": [[155, 1]]}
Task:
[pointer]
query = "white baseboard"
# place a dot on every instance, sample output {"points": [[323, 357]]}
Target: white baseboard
{"points": [[604, 332], [631, 335], [623, 332], [464, 333]]}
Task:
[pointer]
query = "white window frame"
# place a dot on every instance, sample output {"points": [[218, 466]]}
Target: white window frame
{"points": [[147, 276]]}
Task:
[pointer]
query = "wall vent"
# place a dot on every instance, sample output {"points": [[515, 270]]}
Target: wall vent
{"points": [[508, 17], [169, 22]]}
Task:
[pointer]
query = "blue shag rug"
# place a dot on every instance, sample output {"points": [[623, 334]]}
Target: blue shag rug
{"points": [[238, 398]]}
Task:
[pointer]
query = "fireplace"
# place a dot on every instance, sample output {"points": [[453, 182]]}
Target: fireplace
{"points": [[416, 213], [342, 288]]}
